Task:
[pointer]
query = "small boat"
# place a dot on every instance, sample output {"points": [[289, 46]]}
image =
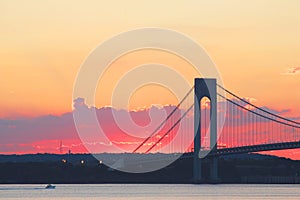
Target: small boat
{"points": [[49, 186]]}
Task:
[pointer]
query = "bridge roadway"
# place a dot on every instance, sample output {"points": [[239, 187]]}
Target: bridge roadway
{"points": [[252, 148], [169, 158], [256, 148], [243, 149]]}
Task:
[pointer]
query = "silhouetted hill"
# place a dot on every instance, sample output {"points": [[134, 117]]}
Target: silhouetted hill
{"points": [[76, 158], [68, 168]]}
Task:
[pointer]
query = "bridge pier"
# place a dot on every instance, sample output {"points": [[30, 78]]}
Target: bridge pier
{"points": [[214, 178], [205, 88], [197, 165]]}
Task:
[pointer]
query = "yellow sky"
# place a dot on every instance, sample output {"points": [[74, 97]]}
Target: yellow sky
{"points": [[43, 44]]}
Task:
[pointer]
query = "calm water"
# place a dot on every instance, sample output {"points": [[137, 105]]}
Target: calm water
{"points": [[154, 191]]}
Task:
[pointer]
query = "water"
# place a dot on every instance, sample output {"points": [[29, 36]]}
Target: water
{"points": [[150, 191]]}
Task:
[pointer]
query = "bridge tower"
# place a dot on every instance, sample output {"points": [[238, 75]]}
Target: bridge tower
{"points": [[205, 87]]}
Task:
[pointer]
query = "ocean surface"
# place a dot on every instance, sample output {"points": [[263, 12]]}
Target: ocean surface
{"points": [[150, 191]]}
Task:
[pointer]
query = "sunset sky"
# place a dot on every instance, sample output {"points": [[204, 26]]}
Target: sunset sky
{"points": [[255, 45]]}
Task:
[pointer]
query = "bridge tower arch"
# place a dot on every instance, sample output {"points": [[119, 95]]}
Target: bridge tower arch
{"points": [[205, 87]]}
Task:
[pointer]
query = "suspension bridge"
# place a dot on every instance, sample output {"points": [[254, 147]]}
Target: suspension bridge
{"points": [[211, 121]]}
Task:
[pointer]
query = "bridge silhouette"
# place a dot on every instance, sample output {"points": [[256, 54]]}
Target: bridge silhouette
{"points": [[223, 123]]}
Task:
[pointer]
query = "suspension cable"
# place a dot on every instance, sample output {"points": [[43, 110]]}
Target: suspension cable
{"points": [[263, 110], [164, 121], [257, 113], [166, 133]]}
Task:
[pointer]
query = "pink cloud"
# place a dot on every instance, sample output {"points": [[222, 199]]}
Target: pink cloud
{"points": [[291, 71], [43, 134]]}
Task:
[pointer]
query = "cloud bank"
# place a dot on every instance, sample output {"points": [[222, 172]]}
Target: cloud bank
{"points": [[45, 134]]}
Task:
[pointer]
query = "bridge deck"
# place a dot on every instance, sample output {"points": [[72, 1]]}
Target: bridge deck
{"points": [[249, 149], [256, 148]]}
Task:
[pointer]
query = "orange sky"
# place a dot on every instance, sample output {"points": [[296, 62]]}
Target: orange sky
{"points": [[43, 43]]}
